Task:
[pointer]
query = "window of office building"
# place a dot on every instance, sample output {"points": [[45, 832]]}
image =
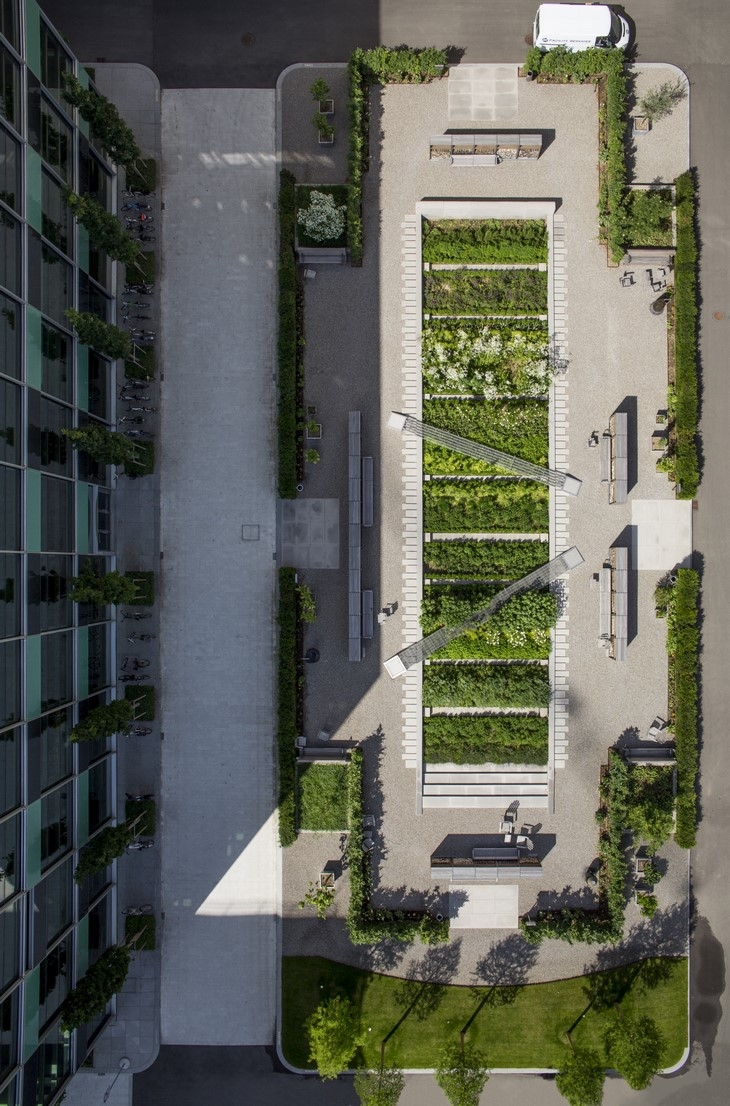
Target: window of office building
{"points": [[9, 169], [9, 252], [56, 140], [90, 751], [9, 856], [55, 362], [48, 447], [47, 1068], [9, 683], [99, 929], [9, 508], [51, 910], [50, 279], [57, 514], [9, 337], [89, 468], [53, 981], [56, 669], [55, 824], [9, 88], [50, 755], [9, 21], [10, 594], [55, 215], [9, 942], [54, 62], [94, 179], [8, 1034], [10, 742], [91, 298], [100, 801], [99, 674], [10, 423], [100, 376], [49, 583]]}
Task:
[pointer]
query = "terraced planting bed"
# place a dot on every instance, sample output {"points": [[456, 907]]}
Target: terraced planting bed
{"points": [[486, 376]]}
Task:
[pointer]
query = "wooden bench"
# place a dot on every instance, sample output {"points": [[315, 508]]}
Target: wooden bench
{"points": [[316, 255], [473, 161], [619, 484], [367, 614], [459, 149], [367, 491], [605, 457], [649, 255]]}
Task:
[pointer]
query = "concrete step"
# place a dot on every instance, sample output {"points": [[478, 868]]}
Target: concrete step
{"points": [[514, 790], [434, 775], [482, 802]]}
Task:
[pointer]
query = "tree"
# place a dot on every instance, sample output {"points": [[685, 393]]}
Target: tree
{"points": [[104, 337], [89, 997], [333, 1036], [461, 1074], [321, 898], [107, 446], [322, 219], [114, 588], [580, 1081], [104, 229], [115, 717], [663, 99], [105, 121], [634, 1047], [320, 89], [379, 1088], [105, 847]]}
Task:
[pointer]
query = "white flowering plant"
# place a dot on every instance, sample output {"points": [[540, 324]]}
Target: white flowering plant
{"points": [[322, 220]]}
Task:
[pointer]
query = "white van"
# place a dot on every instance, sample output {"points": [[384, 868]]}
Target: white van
{"points": [[578, 27]]}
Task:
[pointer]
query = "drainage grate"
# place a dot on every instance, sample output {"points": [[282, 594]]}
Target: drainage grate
{"points": [[250, 533]]}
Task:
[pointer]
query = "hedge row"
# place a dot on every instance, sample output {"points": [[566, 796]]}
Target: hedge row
{"points": [[515, 426], [366, 67], [485, 739], [287, 421], [686, 465], [485, 241], [485, 506], [485, 292], [486, 685], [289, 680], [560, 65], [483, 560], [683, 643], [366, 924]]}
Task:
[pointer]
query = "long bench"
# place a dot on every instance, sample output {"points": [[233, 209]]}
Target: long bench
{"points": [[605, 601], [619, 557], [649, 255], [473, 161], [319, 255], [618, 487], [354, 598], [367, 614], [487, 871], [367, 491], [662, 757], [497, 852], [469, 149]]}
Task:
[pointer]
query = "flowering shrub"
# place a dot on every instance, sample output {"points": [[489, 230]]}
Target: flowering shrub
{"points": [[493, 359], [322, 220]]}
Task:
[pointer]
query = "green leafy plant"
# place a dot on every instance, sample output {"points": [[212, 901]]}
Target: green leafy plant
{"points": [[484, 560], [322, 790], [580, 1080], [104, 228], [485, 241], [321, 898], [686, 463], [143, 815], [488, 739], [333, 1036], [322, 219], [107, 446], [312, 456], [104, 119], [662, 100], [319, 90], [648, 905], [143, 699], [114, 717], [102, 849], [322, 124], [495, 359], [515, 426], [651, 873], [634, 1046], [139, 932], [651, 803], [649, 217], [142, 176], [461, 1073], [113, 587], [477, 506], [485, 685], [289, 681], [379, 1088], [485, 292], [307, 606], [89, 997], [104, 337], [683, 645]]}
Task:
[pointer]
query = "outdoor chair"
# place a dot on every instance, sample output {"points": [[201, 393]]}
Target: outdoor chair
{"points": [[528, 829], [368, 821], [524, 843], [309, 274], [506, 827], [367, 842], [656, 728], [627, 280]]}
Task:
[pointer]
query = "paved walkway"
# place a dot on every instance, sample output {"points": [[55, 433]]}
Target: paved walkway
{"points": [[220, 857]]}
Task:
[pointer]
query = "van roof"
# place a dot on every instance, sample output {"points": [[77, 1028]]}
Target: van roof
{"points": [[574, 21]]}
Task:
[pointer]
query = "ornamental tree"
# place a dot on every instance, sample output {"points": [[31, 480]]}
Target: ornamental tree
{"points": [[105, 978], [580, 1080], [113, 588], [107, 446], [461, 1074], [114, 717], [105, 121], [322, 219], [333, 1036], [379, 1088], [634, 1046], [662, 100], [105, 847], [104, 229], [104, 337]]}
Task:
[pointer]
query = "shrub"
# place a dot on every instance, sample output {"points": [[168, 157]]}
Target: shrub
{"points": [[104, 119], [102, 849], [515, 426], [333, 1036], [485, 739], [104, 337], [683, 643], [143, 815], [648, 905], [651, 804], [319, 90], [649, 217], [486, 560], [89, 997], [634, 1046], [103, 721], [142, 176], [326, 206], [477, 292], [580, 1080], [486, 685], [520, 629], [499, 358], [686, 464], [144, 583], [485, 241], [142, 463], [289, 683], [479, 506], [141, 365], [288, 420]]}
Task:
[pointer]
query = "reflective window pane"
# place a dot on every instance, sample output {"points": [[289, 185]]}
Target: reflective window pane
{"points": [[9, 252], [56, 140], [99, 668], [90, 751], [57, 514], [48, 1067], [9, 508], [9, 88], [54, 984], [9, 337], [91, 298], [51, 910], [49, 607], [10, 423], [56, 362], [50, 279], [9, 942], [100, 803], [56, 670], [9, 1034], [55, 824], [99, 929], [100, 380], [10, 741], [10, 594], [9, 169], [50, 756], [48, 446], [9, 683], [9, 21], [54, 61], [9, 857], [56, 217]]}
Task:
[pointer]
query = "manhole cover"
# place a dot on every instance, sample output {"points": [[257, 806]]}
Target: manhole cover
{"points": [[248, 39], [718, 315]]}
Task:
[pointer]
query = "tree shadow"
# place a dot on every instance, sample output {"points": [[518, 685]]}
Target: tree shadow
{"points": [[421, 991], [501, 974]]}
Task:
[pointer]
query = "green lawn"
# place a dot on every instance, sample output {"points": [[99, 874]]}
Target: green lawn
{"points": [[529, 1033], [322, 794]]}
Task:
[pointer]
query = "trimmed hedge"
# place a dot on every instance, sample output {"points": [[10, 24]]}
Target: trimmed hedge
{"points": [[366, 67], [485, 292], [486, 685], [683, 645], [485, 241], [515, 426], [485, 739], [484, 506], [366, 924], [143, 367], [287, 420], [143, 815], [686, 464], [485, 560], [289, 681]]}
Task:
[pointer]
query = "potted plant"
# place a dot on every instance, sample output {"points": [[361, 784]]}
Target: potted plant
{"points": [[321, 93], [312, 456], [325, 130], [314, 429]]}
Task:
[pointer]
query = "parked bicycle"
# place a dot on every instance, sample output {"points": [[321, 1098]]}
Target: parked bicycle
{"points": [[135, 911], [126, 315], [134, 636], [149, 409], [140, 236], [139, 288], [139, 731], [137, 333], [142, 221], [133, 397], [136, 205], [133, 678], [140, 798], [135, 662], [135, 303], [137, 616], [135, 382], [141, 844], [136, 193], [138, 434], [131, 418]]}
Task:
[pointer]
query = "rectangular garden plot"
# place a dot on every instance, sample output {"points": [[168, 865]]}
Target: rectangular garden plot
{"points": [[485, 292], [485, 241], [322, 796], [485, 506], [501, 357], [486, 685], [515, 426], [486, 739], [483, 560]]}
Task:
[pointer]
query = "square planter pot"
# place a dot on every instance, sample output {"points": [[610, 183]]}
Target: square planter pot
{"points": [[640, 124], [314, 433], [326, 139], [327, 107]]}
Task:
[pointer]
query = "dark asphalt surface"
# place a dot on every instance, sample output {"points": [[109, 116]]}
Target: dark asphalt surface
{"points": [[222, 43]]}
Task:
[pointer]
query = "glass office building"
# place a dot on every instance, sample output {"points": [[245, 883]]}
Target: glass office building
{"points": [[55, 509]]}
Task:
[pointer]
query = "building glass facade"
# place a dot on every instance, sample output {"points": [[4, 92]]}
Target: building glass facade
{"points": [[56, 656]]}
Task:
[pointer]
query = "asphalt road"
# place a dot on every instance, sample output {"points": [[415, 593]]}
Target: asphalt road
{"points": [[223, 43]]}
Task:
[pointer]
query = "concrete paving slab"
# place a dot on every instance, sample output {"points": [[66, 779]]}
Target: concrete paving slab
{"points": [[474, 907], [662, 530], [309, 533]]}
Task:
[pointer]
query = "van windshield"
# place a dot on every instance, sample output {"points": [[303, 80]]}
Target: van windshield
{"points": [[616, 28]]}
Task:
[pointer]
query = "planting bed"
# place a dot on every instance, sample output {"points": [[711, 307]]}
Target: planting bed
{"points": [[485, 292], [501, 357], [483, 560], [485, 241]]}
